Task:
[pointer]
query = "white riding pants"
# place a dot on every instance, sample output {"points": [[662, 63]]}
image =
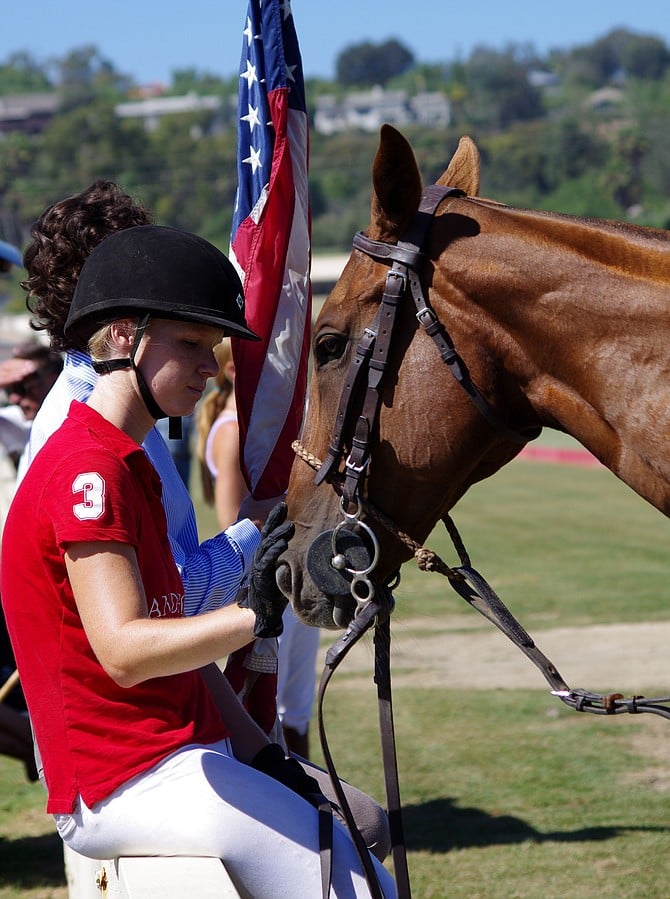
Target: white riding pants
{"points": [[201, 801]]}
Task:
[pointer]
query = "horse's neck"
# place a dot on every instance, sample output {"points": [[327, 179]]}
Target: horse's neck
{"points": [[584, 310]]}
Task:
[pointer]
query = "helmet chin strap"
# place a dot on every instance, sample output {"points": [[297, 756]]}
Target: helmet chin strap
{"points": [[103, 367]]}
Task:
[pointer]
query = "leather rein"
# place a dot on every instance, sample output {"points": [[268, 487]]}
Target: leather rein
{"points": [[374, 604]]}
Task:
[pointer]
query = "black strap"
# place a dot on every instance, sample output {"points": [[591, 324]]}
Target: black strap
{"points": [[358, 365], [437, 332], [175, 431], [406, 258], [105, 366], [361, 623], [372, 350], [480, 595], [326, 847], [389, 757], [405, 254], [359, 452], [476, 591]]}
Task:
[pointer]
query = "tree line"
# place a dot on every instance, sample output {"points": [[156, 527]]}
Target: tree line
{"points": [[581, 130]]}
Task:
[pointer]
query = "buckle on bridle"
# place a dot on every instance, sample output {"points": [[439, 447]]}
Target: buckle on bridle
{"points": [[396, 273], [356, 469], [426, 317]]}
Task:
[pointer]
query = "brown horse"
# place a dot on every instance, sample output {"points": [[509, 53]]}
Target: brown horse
{"points": [[561, 322]]}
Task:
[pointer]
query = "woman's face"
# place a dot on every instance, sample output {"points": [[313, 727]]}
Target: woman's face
{"points": [[176, 359]]}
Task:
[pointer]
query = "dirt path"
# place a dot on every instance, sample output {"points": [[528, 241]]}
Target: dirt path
{"points": [[628, 658]]}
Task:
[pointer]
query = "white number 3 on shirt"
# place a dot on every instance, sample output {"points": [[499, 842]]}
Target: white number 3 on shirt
{"points": [[93, 488]]}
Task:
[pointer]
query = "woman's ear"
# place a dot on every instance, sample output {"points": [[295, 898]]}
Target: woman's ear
{"points": [[122, 333]]}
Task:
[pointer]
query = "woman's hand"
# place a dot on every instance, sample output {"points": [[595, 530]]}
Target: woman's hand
{"points": [[263, 595], [272, 760]]}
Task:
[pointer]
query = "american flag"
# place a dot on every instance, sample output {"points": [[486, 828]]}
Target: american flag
{"points": [[270, 244]]}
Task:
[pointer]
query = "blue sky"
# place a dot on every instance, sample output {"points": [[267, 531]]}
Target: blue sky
{"points": [[148, 39]]}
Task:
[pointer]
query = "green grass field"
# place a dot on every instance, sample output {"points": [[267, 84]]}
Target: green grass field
{"points": [[561, 544], [506, 794]]}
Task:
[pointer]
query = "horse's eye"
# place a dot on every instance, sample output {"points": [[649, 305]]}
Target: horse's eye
{"points": [[329, 347]]}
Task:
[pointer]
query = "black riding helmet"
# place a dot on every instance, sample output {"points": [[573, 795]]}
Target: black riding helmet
{"points": [[162, 271], [151, 270]]}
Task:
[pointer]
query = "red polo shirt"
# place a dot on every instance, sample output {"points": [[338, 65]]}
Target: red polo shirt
{"points": [[90, 483]]}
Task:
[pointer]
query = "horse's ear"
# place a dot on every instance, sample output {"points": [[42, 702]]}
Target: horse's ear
{"points": [[463, 170], [396, 186]]}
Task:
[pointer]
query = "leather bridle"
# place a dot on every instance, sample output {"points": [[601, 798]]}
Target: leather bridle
{"points": [[406, 259]]}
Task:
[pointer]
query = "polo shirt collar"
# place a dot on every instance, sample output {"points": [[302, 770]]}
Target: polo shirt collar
{"points": [[112, 437]]}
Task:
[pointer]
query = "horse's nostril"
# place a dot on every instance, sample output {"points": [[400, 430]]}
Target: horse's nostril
{"points": [[283, 579], [343, 613]]}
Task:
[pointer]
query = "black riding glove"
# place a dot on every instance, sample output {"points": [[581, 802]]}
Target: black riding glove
{"points": [[263, 596], [272, 761]]}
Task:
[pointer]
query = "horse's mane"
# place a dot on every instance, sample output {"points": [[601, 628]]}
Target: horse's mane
{"points": [[614, 227], [634, 235]]}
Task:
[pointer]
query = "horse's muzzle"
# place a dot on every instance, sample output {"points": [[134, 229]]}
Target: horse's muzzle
{"points": [[312, 606]]}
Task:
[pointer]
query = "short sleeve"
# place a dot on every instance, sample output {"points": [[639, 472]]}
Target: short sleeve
{"points": [[90, 501]]}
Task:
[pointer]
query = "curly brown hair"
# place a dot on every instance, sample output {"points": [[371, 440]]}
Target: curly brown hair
{"points": [[62, 239]]}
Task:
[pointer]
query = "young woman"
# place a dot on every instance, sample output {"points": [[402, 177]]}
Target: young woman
{"points": [[137, 758], [61, 241]]}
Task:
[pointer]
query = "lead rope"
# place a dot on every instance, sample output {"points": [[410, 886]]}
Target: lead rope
{"points": [[476, 591]]}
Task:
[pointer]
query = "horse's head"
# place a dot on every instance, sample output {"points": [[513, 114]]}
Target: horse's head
{"points": [[427, 443]]}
